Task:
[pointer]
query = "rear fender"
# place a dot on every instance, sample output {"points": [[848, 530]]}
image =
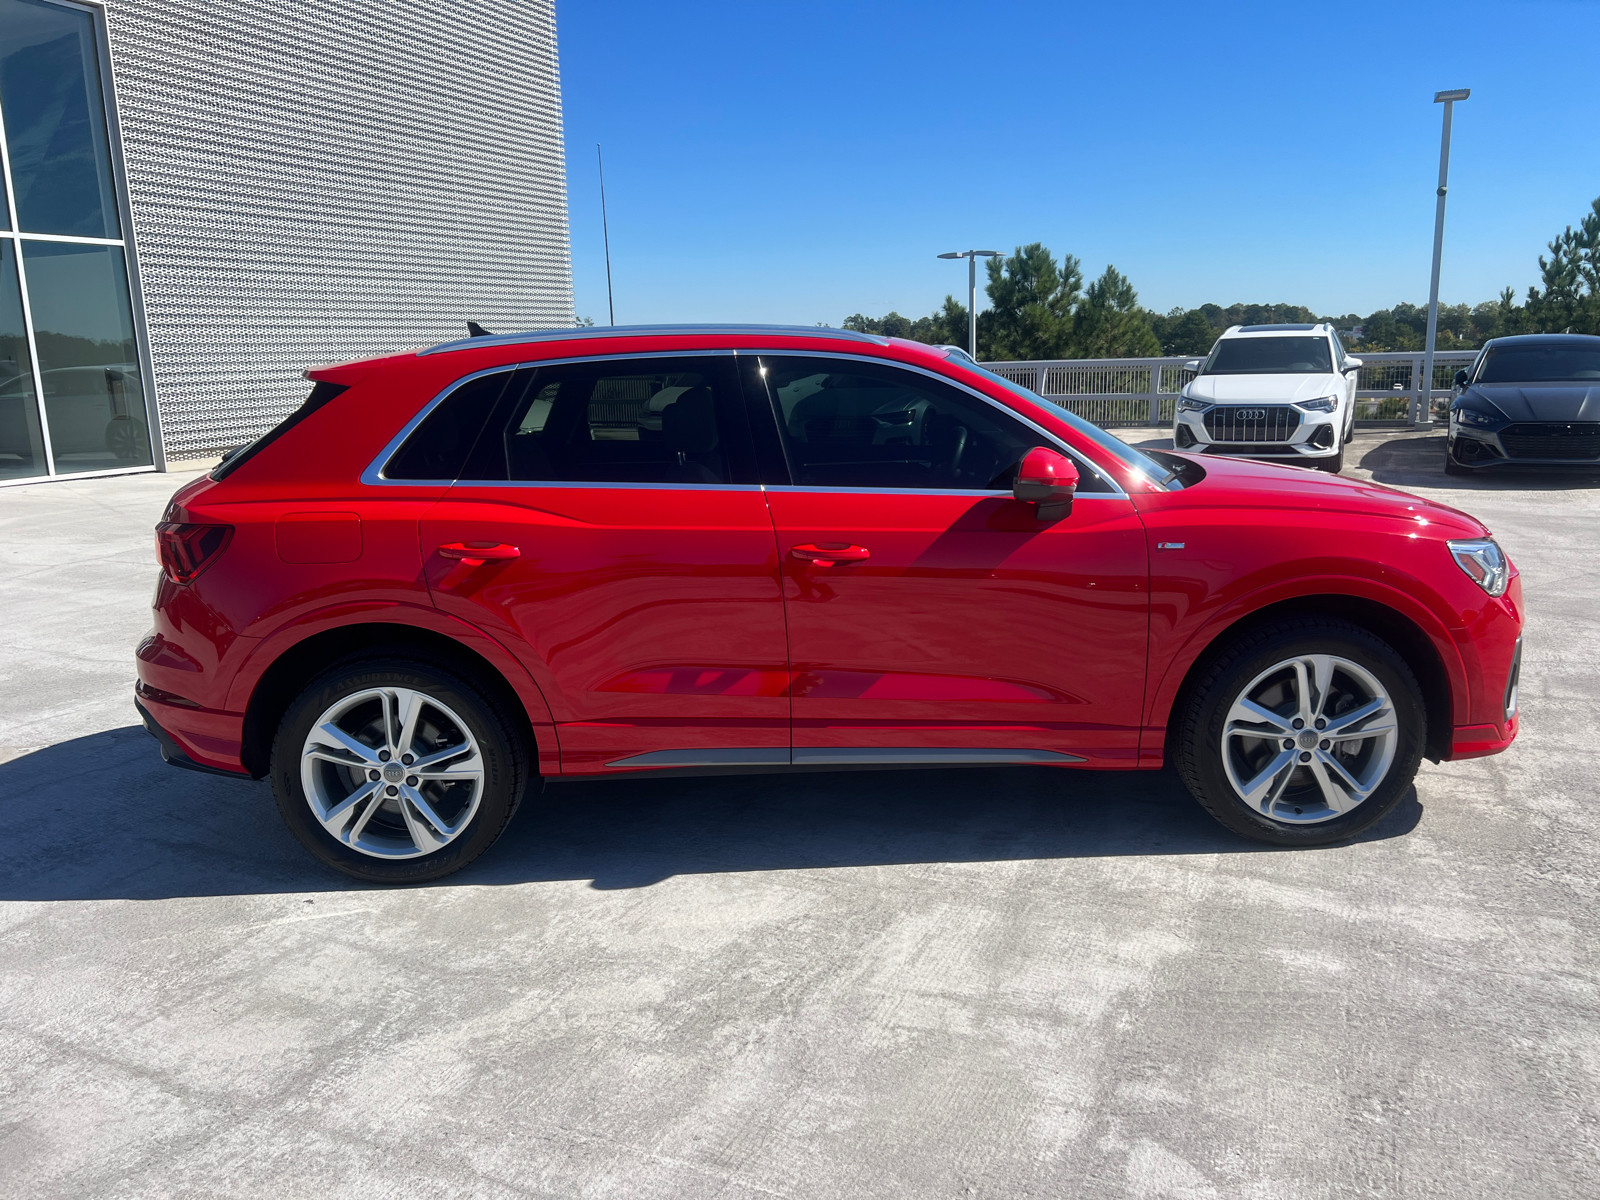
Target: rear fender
{"points": [[270, 649]]}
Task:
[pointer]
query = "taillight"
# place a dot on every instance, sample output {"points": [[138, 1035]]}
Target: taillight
{"points": [[186, 550]]}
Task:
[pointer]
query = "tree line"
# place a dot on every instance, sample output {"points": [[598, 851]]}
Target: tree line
{"points": [[1040, 308]]}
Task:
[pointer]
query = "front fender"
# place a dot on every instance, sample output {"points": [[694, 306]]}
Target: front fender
{"points": [[1171, 669]]}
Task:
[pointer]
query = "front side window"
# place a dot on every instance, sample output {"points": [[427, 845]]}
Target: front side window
{"points": [[868, 425], [1269, 356], [1552, 362]]}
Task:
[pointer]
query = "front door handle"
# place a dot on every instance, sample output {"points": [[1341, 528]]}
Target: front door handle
{"points": [[828, 553], [475, 554]]}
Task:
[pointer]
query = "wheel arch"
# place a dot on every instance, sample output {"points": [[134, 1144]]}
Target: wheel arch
{"points": [[298, 663], [1396, 628]]}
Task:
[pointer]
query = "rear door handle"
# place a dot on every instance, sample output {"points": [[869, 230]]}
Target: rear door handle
{"points": [[826, 555], [475, 554]]}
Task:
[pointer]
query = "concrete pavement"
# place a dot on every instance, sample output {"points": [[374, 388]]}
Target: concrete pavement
{"points": [[965, 983]]}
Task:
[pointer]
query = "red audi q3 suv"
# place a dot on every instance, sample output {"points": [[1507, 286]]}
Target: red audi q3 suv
{"points": [[585, 554]]}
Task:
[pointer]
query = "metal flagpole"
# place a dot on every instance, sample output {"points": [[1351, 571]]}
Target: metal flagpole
{"points": [[1423, 417], [605, 229]]}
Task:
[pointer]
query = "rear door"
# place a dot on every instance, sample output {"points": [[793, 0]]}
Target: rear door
{"points": [[933, 618], [608, 527]]}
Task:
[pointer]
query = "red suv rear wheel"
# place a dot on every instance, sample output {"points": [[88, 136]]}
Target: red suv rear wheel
{"points": [[396, 771]]}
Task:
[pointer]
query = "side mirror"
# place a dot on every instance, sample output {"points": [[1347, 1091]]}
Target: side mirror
{"points": [[1047, 480], [1193, 364], [1461, 378], [1352, 364]]}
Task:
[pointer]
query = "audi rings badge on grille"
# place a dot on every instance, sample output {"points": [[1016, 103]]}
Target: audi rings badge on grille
{"points": [[1252, 414]]}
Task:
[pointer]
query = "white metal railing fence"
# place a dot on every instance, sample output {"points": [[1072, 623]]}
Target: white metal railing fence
{"points": [[1143, 391]]}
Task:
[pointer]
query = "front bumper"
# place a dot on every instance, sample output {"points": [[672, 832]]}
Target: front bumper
{"points": [[1316, 436], [1482, 449]]}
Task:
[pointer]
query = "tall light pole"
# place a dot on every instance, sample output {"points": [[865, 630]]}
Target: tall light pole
{"points": [[972, 257], [1423, 419]]}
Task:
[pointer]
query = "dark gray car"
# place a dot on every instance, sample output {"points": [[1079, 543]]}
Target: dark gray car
{"points": [[1530, 401]]}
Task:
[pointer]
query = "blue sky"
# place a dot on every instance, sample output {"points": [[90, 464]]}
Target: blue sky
{"points": [[774, 161]]}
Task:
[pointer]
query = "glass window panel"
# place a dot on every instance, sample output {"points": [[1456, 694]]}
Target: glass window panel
{"points": [[666, 420], [868, 425], [55, 120], [21, 446], [83, 330], [437, 448]]}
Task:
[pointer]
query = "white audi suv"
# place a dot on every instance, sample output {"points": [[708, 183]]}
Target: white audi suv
{"points": [[1280, 392]]}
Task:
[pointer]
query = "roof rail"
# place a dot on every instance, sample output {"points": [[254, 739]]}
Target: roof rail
{"points": [[595, 332]]}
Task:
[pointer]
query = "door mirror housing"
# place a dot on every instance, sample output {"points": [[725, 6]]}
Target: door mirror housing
{"points": [[1351, 364], [1193, 364], [1047, 480], [1461, 378]]}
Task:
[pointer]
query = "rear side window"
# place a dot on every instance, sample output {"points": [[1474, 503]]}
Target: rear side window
{"points": [[320, 395], [438, 448], [645, 421]]}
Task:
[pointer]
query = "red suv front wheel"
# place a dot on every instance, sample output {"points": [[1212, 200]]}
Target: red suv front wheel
{"points": [[1303, 733]]}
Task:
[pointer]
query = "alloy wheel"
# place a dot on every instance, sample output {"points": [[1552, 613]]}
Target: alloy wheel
{"points": [[392, 772], [1309, 739]]}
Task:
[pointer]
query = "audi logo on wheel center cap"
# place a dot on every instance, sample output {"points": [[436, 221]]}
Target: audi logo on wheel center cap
{"points": [[393, 773]]}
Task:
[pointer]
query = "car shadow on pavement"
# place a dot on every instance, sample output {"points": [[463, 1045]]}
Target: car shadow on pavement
{"points": [[1419, 462], [101, 817]]}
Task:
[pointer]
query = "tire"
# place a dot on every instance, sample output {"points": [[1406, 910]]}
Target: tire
{"points": [[340, 794], [1332, 465], [1451, 466], [1219, 755]]}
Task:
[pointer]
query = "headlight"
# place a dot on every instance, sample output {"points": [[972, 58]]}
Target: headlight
{"points": [[1190, 404], [1484, 562], [1324, 404], [1471, 416]]}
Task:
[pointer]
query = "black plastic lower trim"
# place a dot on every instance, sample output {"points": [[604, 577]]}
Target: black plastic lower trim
{"points": [[172, 754]]}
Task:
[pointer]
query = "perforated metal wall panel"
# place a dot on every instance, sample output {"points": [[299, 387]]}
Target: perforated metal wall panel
{"points": [[324, 180]]}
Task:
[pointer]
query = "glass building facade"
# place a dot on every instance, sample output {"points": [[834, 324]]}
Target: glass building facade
{"points": [[72, 375], [199, 201]]}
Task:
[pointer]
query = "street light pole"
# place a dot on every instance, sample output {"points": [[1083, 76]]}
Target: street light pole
{"points": [[1422, 418], [972, 257]]}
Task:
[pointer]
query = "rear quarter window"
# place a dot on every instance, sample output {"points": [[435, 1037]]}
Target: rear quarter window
{"points": [[438, 447]]}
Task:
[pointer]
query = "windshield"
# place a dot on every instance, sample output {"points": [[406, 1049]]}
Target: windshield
{"points": [[1112, 445], [1269, 356], [1552, 362]]}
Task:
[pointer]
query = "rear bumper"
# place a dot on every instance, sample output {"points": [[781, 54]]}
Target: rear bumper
{"points": [[194, 738]]}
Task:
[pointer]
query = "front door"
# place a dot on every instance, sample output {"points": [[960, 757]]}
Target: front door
{"points": [[608, 527], [931, 617]]}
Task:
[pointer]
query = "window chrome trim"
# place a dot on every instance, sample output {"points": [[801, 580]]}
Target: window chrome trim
{"points": [[373, 476], [1117, 491]]}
